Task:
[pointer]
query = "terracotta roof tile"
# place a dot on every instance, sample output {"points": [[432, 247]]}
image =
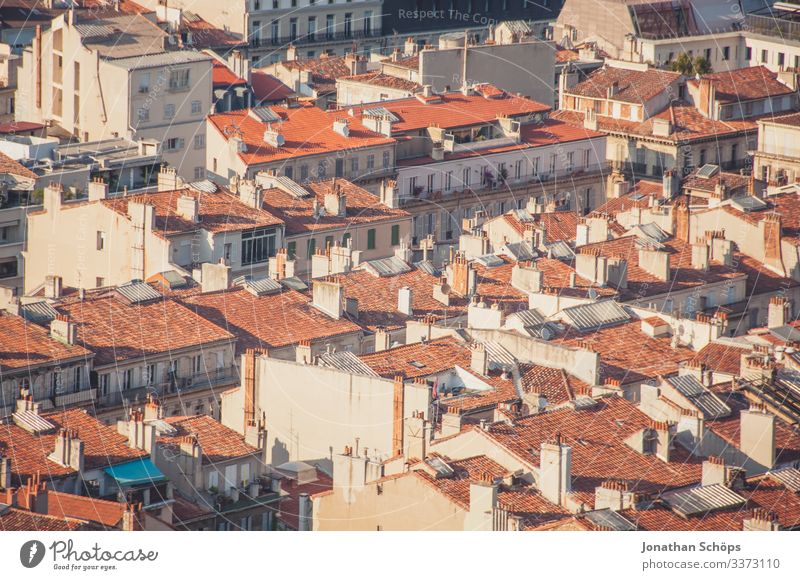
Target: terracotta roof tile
{"points": [[78, 507], [17, 520], [290, 503], [721, 357], [24, 345], [745, 84], [273, 320], [633, 86], [379, 79], [298, 213], [266, 88], [224, 77], [218, 442], [11, 167], [218, 212], [419, 359], [116, 331]]}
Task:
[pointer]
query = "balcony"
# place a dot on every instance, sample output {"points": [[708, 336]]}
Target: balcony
{"points": [[319, 37], [774, 25], [73, 399], [172, 386]]}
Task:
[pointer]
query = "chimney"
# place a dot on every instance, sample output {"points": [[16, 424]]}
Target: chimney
{"points": [[63, 329], [191, 456], [771, 233], [304, 510], [342, 127], [462, 276], [141, 435], [68, 450], [662, 434], [215, 277], [482, 503], [250, 193], [757, 437], [302, 352], [655, 262], [669, 184], [715, 472], [51, 198], [613, 495], [188, 207], [680, 221], [417, 433], [451, 422], [779, 308], [706, 98], [132, 518], [410, 47], [33, 496], [351, 307], [589, 264], [398, 414], [53, 287], [527, 277], [336, 201], [5, 472], [590, 120], [97, 189], [700, 256], [480, 359], [291, 52], [555, 470], [761, 520], [382, 339], [152, 409], [249, 372], [405, 301], [328, 296], [168, 179], [389, 194]]}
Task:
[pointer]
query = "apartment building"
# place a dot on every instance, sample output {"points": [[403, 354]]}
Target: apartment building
{"points": [[16, 199], [335, 212], [270, 27], [42, 363], [302, 143], [776, 160], [83, 78], [122, 238]]}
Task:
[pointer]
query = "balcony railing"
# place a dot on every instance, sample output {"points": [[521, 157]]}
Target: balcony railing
{"points": [[529, 184], [172, 386], [319, 37], [773, 26]]}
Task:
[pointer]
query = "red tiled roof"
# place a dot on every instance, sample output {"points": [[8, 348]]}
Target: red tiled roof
{"points": [[268, 88], [559, 225], [633, 86], [224, 77], [116, 331], [103, 446], [298, 213], [745, 84], [419, 359], [218, 442], [290, 503], [629, 355], [555, 385], [206, 35], [626, 202], [307, 130], [19, 127], [455, 110], [12, 167], [411, 62], [274, 320], [17, 520], [379, 79], [24, 345], [721, 357], [218, 212], [597, 436], [78, 507]]}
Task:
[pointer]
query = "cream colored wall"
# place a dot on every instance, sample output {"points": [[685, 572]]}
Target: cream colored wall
{"points": [[355, 93], [403, 504], [314, 411]]}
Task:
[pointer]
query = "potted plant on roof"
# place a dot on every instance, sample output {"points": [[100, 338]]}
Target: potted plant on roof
{"points": [[417, 190]]}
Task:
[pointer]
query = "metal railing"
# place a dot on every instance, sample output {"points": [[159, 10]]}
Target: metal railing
{"points": [[319, 37], [772, 26]]}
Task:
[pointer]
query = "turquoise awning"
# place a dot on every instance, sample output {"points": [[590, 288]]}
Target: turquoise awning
{"points": [[135, 473]]}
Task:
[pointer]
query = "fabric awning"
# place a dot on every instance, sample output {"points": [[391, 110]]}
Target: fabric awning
{"points": [[135, 473]]}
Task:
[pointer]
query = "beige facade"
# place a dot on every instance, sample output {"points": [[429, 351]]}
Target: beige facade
{"points": [[94, 91], [777, 158]]}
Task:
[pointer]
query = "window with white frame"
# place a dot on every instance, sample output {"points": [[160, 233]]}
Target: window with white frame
{"points": [[197, 107], [199, 141], [179, 79], [169, 111]]}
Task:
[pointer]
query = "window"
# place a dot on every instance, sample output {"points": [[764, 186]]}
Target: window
{"points": [[291, 250], [386, 159], [586, 157], [748, 53], [535, 166], [311, 247], [149, 374], [169, 111], [199, 172], [321, 170], [257, 245], [101, 240], [371, 239], [199, 141], [197, 107], [764, 56], [553, 163], [174, 144], [430, 182], [707, 54], [346, 240], [99, 282], [289, 172], [395, 235], [143, 114], [197, 364], [448, 181], [213, 479], [781, 59], [570, 160], [312, 27], [368, 23], [144, 82], [370, 162], [348, 25], [303, 172], [465, 177], [127, 379], [354, 166], [518, 169], [726, 52], [179, 79], [104, 381], [330, 25], [77, 377], [275, 31]]}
